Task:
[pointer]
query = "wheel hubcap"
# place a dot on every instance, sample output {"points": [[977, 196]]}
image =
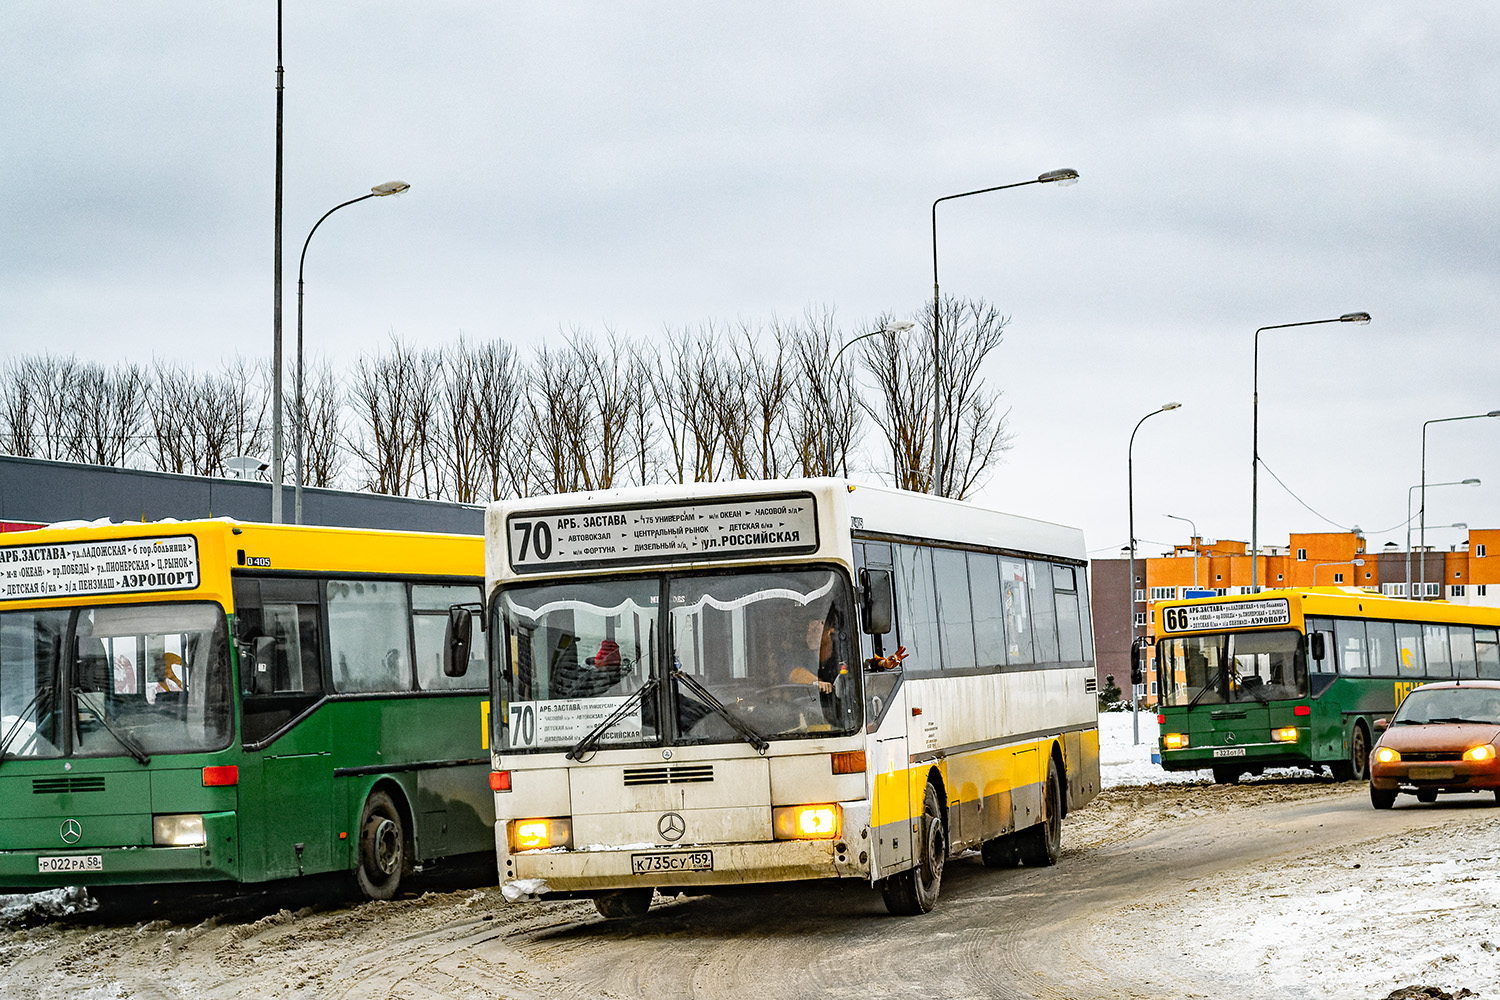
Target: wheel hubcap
{"points": [[387, 846]]}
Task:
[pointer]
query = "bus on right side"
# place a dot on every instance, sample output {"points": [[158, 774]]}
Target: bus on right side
{"points": [[1298, 678]]}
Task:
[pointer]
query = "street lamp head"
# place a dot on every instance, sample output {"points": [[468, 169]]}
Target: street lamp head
{"points": [[1493, 413], [1470, 482], [389, 187], [1062, 178], [1360, 318], [900, 327], [1358, 562], [1170, 406]]}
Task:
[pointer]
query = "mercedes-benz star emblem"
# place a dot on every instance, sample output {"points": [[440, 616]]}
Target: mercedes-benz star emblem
{"points": [[1228, 737], [671, 826], [71, 831]]}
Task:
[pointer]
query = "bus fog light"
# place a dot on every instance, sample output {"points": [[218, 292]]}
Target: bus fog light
{"points": [[1174, 741], [1287, 734], [535, 834], [819, 822], [1386, 755], [185, 830]]}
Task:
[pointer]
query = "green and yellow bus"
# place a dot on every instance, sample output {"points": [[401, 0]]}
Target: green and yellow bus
{"points": [[213, 701], [1297, 678]]}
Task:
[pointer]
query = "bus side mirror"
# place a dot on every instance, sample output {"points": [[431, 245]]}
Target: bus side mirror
{"points": [[875, 584], [1318, 646], [457, 641], [1137, 669]]}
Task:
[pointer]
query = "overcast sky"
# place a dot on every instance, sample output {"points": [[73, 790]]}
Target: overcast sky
{"points": [[648, 166]]}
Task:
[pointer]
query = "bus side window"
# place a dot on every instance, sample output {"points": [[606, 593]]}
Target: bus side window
{"points": [[369, 635], [916, 607], [1384, 661], [1351, 643], [277, 635], [1409, 650], [1487, 652]]}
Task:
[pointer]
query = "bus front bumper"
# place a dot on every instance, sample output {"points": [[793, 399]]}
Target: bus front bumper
{"points": [[1250, 755], [32, 870], [689, 865]]}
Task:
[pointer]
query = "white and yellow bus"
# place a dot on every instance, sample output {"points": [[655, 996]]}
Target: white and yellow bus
{"points": [[719, 684]]}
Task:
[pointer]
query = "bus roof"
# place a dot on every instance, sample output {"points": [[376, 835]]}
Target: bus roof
{"points": [[1353, 602]]}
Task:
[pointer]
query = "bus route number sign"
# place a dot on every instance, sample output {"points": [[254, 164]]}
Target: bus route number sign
{"points": [[1227, 615], [106, 566], [597, 536]]}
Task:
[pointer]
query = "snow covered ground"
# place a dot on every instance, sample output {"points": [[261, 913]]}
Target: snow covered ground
{"points": [[1415, 908]]}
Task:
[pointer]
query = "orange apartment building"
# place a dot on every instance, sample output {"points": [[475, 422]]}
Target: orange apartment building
{"points": [[1467, 572]]}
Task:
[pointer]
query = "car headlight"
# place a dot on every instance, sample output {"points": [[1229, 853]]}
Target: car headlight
{"points": [[1387, 756], [1484, 752], [185, 830], [1174, 741]]}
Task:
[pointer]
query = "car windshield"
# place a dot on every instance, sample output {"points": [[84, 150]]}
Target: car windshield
{"points": [[1460, 704], [115, 680], [739, 657], [1232, 667]]}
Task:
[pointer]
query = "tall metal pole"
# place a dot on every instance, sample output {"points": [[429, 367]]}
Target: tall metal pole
{"points": [[1135, 701], [1062, 178], [1422, 509], [276, 469], [1410, 593], [1194, 527], [1357, 317], [379, 191]]}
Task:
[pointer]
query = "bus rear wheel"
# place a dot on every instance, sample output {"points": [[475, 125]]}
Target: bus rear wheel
{"points": [[915, 890], [382, 848], [618, 904], [1040, 845]]}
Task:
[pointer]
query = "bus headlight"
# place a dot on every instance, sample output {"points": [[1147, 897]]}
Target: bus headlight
{"points": [[1174, 741], [1387, 756], [1485, 752], [534, 834], [185, 830], [1286, 734], [819, 822]]}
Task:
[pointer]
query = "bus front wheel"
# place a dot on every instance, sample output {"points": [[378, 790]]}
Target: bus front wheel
{"points": [[1355, 767], [382, 848], [915, 890]]}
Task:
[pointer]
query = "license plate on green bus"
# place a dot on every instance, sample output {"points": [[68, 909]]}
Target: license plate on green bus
{"points": [[71, 863], [1230, 752], [672, 861]]}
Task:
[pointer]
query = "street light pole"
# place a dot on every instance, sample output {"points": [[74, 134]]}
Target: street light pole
{"points": [[1422, 509], [1135, 706], [1410, 517], [1062, 178], [1194, 528], [833, 366], [1355, 317], [1346, 562], [378, 191], [276, 365]]}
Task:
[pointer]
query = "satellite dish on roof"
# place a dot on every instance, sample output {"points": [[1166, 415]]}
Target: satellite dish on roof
{"points": [[246, 467]]}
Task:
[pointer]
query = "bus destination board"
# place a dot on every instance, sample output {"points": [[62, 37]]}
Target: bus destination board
{"points": [[113, 566], [723, 529], [1229, 615]]}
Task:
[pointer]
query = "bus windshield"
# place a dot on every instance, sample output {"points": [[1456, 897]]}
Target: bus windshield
{"points": [[740, 656], [1232, 667], [116, 680]]}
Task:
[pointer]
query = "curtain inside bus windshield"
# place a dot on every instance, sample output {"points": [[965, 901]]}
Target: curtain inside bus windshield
{"points": [[577, 654], [773, 649]]}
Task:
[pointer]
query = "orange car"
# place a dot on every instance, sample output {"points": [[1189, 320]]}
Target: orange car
{"points": [[1445, 737]]}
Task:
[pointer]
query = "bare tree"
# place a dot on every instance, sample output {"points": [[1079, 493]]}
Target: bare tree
{"points": [[323, 430], [111, 406], [826, 418], [17, 409], [903, 371], [685, 383], [252, 403], [974, 431], [169, 444], [496, 403], [382, 397]]}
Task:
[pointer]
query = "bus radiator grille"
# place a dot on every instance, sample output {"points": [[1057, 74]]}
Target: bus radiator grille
{"points": [[669, 774], [55, 786]]}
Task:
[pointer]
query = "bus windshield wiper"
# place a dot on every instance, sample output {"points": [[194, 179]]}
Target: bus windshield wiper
{"points": [[15, 728], [131, 746], [584, 745], [749, 735]]}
